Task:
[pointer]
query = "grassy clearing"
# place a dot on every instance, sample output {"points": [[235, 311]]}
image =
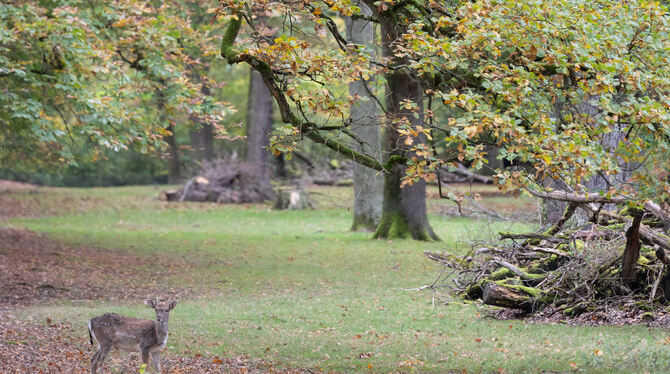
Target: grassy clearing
{"points": [[300, 290]]}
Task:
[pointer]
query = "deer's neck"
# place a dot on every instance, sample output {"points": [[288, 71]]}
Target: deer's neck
{"points": [[162, 331]]}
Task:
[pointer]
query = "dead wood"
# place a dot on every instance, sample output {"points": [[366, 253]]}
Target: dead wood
{"points": [[463, 171], [506, 296], [658, 212], [223, 181], [632, 251], [609, 266], [549, 238]]}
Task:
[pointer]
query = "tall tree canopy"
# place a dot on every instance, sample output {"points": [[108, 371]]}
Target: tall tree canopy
{"points": [[78, 76], [542, 81]]}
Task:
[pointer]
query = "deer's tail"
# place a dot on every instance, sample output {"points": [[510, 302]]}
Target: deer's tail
{"points": [[90, 336]]}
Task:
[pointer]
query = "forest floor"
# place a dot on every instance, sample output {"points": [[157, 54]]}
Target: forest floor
{"points": [[268, 291]]}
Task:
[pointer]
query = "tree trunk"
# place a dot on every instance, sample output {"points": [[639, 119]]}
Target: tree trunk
{"points": [[202, 134], [368, 183], [202, 140], [404, 209], [551, 210], [259, 126], [174, 168], [632, 251]]}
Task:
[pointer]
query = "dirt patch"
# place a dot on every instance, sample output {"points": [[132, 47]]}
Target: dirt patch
{"points": [[56, 348], [6, 185], [36, 269]]}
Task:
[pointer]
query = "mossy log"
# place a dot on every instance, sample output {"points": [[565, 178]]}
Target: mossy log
{"points": [[510, 296]]}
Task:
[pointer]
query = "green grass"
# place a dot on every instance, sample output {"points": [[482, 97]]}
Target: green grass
{"points": [[299, 290]]}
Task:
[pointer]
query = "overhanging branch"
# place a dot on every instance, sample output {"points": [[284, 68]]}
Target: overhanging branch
{"points": [[308, 129]]}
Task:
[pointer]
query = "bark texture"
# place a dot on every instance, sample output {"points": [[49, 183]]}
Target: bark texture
{"points": [[368, 183]]}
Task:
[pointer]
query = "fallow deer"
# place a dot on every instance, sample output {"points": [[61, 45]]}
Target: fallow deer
{"points": [[123, 333]]}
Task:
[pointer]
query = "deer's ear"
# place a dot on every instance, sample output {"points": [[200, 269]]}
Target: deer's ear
{"points": [[172, 304], [151, 303]]}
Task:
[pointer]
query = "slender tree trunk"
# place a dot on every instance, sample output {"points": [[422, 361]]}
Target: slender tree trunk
{"points": [[202, 140], [632, 251], [259, 126], [281, 166], [404, 209], [202, 136], [368, 183], [174, 167]]}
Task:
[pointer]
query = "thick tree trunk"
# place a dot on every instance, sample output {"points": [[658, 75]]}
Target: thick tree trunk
{"points": [[404, 209], [368, 183], [259, 126]]}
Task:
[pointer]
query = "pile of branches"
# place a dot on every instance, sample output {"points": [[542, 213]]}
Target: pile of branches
{"points": [[615, 261], [223, 181]]}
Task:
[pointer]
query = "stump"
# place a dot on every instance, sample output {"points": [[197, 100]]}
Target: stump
{"points": [[293, 199]]}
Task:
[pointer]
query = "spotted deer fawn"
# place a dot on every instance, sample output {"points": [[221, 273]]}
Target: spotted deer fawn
{"points": [[146, 336]]}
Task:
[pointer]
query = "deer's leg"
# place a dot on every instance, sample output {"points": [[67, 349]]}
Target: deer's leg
{"points": [[94, 362], [156, 358], [145, 357], [101, 356]]}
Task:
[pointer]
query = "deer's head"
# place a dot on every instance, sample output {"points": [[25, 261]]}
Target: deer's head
{"points": [[162, 309]]}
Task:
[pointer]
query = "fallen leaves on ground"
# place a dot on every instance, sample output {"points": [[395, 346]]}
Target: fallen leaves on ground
{"points": [[36, 268]]}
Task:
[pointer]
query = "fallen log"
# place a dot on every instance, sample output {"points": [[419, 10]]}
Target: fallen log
{"points": [[509, 296], [169, 195], [657, 212], [462, 170], [578, 198]]}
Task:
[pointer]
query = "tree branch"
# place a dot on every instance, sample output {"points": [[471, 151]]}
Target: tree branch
{"points": [[308, 129]]}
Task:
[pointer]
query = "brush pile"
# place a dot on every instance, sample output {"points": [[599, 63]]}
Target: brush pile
{"points": [[223, 181], [616, 261]]}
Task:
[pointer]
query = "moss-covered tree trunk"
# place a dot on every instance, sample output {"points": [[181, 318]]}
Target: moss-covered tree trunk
{"points": [[404, 209]]}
